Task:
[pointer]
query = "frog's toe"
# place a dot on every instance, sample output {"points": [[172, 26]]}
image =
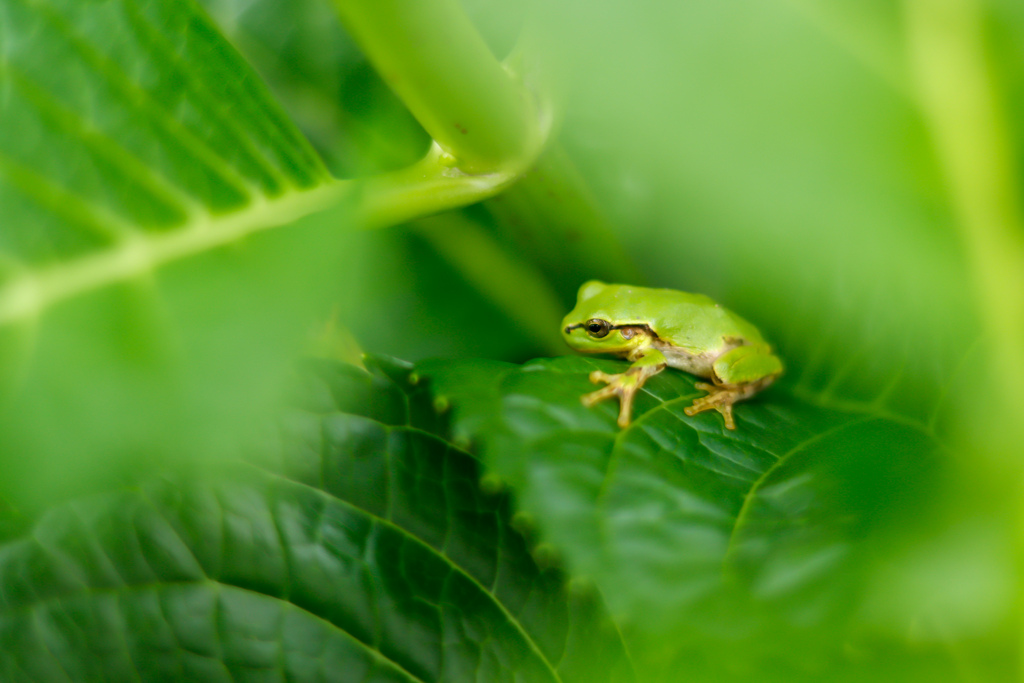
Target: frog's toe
{"points": [[601, 394], [625, 408], [623, 387], [699, 405], [716, 395], [596, 377], [726, 411], [718, 398]]}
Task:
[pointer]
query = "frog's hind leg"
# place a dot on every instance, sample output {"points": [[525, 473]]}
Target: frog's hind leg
{"points": [[737, 375], [721, 398]]}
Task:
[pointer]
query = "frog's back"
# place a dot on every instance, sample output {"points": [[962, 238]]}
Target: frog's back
{"points": [[691, 321]]}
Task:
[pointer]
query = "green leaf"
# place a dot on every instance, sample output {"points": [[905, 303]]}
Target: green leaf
{"points": [[360, 548], [322, 79], [141, 165], [682, 523]]}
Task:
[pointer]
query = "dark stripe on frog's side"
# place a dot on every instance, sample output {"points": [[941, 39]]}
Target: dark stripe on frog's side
{"points": [[644, 328]]}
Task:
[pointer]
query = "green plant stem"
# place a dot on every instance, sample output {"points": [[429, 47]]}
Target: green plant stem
{"points": [[429, 186], [431, 55], [517, 288], [489, 133], [552, 214], [959, 100]]}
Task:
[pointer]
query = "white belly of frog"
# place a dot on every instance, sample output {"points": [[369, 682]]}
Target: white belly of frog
{"points": [[699, 364]]}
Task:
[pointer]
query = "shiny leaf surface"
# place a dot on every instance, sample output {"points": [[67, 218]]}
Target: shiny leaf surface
{"points": [[359, 548], [683, 523]]}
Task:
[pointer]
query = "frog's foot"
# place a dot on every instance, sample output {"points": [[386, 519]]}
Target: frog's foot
{"points": [[624, 386], [721, 398]]}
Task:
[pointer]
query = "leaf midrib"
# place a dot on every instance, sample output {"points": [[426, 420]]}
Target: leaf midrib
{"points": [[31, 292]]}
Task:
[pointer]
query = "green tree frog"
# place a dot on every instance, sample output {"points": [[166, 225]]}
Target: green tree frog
{"points": [[655, 328]]}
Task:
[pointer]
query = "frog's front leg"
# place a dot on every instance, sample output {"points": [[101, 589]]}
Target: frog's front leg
{"points": [[737, 374], [646, 363]]}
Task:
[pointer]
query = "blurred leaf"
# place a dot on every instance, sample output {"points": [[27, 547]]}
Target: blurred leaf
{"points": [[423, 308], [324, 82], [769, 154], [685, 526], [139, 289], [362, 548], [548, 222]]}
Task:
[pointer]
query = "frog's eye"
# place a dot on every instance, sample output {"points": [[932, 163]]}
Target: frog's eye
{"points": [[598, 328]]}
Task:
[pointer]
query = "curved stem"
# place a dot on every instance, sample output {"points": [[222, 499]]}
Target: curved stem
{"points": [[429, 186], [431, 55], [517, 288]]}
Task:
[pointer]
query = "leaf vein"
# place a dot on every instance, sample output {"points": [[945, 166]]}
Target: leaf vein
{"points": [[71, 124], [29, 294], [452, 566], [140, 99], [217, 114], [748, 498]]}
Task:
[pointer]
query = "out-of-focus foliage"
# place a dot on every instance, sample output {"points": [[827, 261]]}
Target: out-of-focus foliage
{"points": [[673, 509], [760, 158], [360, 548], [134, 136], [772, 154], [779, 547], [844, 174]]}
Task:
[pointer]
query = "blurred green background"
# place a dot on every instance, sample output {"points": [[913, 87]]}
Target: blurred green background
{"points": [[772, 154], [843, 173], [790, 158]]}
